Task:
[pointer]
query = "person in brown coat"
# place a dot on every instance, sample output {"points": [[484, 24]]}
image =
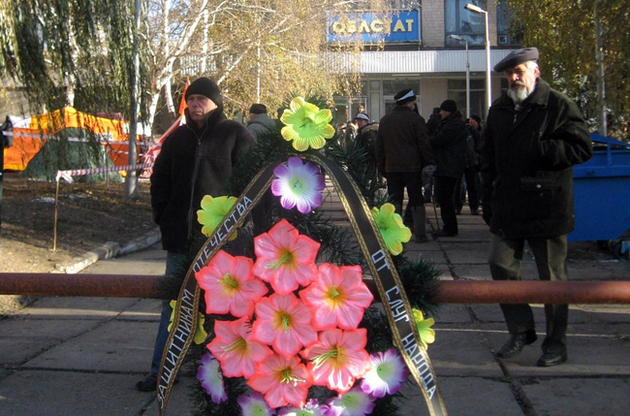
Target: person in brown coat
{"points": [[402, 150]]}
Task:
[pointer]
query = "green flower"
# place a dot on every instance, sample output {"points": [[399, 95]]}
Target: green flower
{"points": [[306, 125], [200, 335], [427, 334], [212, 212], [392, 229]]}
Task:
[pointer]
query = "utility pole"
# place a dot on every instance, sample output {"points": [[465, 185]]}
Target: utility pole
{"points": [[131, 180], [601, 85]]}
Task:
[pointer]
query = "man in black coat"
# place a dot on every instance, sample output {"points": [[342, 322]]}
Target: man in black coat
{"points": [[366, 137], [449, 148], [532, 138], [402, 150], [195, 160]]}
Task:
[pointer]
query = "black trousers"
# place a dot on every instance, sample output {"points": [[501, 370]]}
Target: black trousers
{"points": [[444, 191], [396, 184], [506, 257], [472, 185]]}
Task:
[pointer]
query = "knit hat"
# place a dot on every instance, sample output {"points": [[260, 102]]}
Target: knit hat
{"points": [[517, 57], [449, 105], [405, 96], [476, 118], [206, 87], [258, 109]]}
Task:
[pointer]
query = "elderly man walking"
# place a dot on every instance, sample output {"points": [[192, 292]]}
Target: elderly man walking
{"points": [[532, 138]]}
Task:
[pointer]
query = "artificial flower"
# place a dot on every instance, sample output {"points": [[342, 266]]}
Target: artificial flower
{"points": [[235, 349], [387, 374], [282, 381], [283, 322], [284, 258], [427, 334], [255, 405], [338, 297], [338, 358], [230, 286], [212, 211], [392, 228], [200, 334], [211, 379], [311, 408], [306, 125], [353, 403], [298, 184]]}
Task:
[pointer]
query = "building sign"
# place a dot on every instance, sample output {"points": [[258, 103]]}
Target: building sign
{"points": [[369, 27]]}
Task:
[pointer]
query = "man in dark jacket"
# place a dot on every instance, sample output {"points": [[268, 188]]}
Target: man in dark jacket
{"points": [[195, 160], [366, 137], [449, 148], [532, 138], [402, 150], [471, 171]]}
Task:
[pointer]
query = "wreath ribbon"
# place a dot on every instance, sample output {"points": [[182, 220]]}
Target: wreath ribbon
{"points": [[396, 304]]}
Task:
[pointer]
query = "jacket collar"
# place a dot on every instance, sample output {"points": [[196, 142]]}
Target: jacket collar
{"points": [[215, 118]]}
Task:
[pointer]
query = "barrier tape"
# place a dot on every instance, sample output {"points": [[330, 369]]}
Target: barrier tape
{"points": [[68, 174], [74, 139], [379, 261]]}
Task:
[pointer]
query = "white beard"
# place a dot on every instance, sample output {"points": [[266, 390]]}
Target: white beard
{"points": [[519, 95]]}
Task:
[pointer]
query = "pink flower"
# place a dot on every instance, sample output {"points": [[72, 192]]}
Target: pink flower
{"points": [[282, 381], [235, 349], [230, 285], [338, 297], [285, 323], [338, 358], [284, 258]]}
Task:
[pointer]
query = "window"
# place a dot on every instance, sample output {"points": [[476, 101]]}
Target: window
{"points": [[457, 92], [508, 33], [464, 23]]}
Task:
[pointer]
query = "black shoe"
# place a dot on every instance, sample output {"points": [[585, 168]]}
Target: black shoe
{"points": [[515, 344], [148, 383], [474, 212], [550, 359], [443, 233]]}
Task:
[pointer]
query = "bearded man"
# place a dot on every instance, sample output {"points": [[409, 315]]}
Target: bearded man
{"points": [[532, 138]]}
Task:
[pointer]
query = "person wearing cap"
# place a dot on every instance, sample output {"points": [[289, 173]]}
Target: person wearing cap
{"points": [[366, 137], [195, 160], [402, 151], [532, 137], [449, 148], [259, 121]]}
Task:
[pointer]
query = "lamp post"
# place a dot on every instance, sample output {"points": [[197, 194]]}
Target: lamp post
{"points": [[459, 38], [476, 9]]}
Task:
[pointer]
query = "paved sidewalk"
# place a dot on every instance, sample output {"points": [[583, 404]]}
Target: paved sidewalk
{"points": [[83, 356]]}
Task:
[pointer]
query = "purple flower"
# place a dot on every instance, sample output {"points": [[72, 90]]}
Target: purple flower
{"points": [[255, 405], [353, 403], [387, 374], [311, 408], [298, 184], [211, 379]]}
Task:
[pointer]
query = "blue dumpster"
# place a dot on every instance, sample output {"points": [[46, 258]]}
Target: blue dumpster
{"points": [[602, 193]]}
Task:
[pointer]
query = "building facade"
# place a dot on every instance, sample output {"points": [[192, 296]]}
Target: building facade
{"points": [[422, 52]]}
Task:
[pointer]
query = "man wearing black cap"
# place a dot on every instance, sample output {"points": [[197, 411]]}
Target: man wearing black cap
{"points": [[449, 148], [259, 121], [402, 150], [532, 138], [195, 160]]}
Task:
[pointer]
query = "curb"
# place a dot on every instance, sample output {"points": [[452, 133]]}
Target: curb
{"points": [[108, 250]]}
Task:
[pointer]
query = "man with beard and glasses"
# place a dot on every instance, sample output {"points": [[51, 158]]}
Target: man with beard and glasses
{"points": [[532, 138]]}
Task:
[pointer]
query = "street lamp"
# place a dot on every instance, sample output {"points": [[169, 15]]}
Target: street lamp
{"points": [[476, 9], [459, 38]]}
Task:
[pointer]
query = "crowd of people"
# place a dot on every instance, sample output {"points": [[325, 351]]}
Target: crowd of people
{"points": [[517, 167]]}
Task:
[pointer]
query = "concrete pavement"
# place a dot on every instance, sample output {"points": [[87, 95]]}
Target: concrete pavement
{"points": [[83, 356]]}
